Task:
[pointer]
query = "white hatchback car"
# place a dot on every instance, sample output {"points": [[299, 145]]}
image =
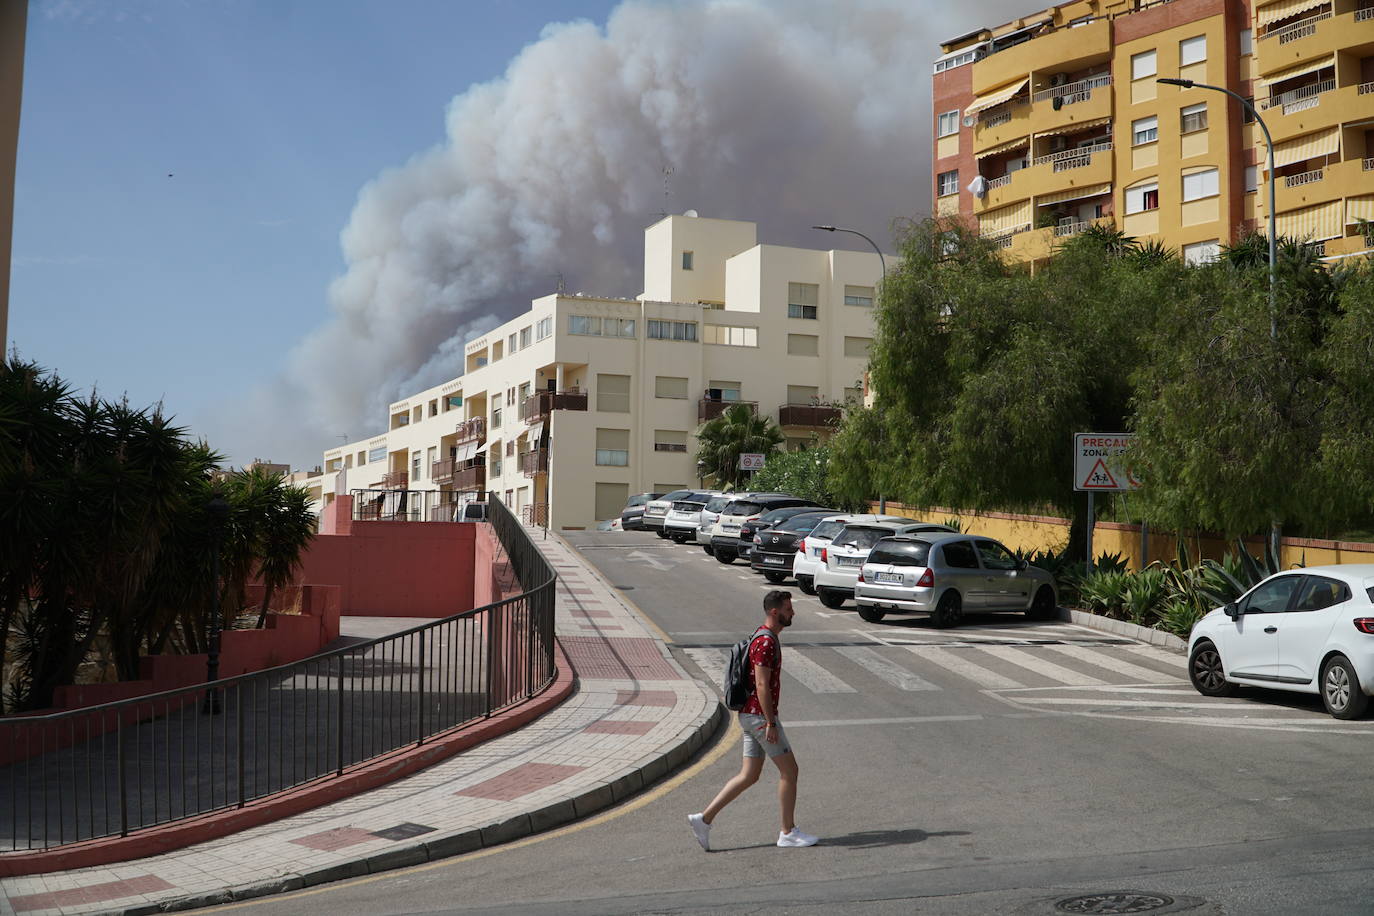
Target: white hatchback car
{"points": [[1306, 630], [844, 556], [808, 561]]}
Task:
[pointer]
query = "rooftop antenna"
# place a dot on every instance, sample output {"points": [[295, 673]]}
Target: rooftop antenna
{"points": [[667, 189], [562, 287]]}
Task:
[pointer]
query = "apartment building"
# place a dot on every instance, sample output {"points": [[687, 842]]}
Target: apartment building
{"points": [[582, 401], [1052, 121]]}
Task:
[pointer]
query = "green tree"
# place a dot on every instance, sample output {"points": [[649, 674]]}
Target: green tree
{"points": [[804, 473], [737, 431]]}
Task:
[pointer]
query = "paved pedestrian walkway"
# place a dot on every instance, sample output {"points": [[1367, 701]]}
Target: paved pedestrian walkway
{"points": [[634, 716]]}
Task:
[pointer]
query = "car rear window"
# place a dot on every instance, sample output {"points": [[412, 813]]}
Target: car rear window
{"points": [[742, 507], [900, 553], [862, 538], [686, 505], [717, 503], [800, 524], [676, 494], [827, 530], [639, 500]]}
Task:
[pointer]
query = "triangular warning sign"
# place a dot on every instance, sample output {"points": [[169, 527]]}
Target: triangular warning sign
{"points": [[1099, 478]]}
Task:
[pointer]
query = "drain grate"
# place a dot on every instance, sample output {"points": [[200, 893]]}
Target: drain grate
{"points": [[1113, 902]]}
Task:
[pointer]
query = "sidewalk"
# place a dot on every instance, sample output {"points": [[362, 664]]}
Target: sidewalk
{"points": [[633, 716]]}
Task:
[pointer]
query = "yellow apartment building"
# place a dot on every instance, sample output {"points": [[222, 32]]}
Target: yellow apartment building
{"points": [[568, 409], [1054, 120]]}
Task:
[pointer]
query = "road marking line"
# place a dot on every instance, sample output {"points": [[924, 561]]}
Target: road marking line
{"points": [[957, 663], [898, 720], [711, 662], [1144, 704], [1155, 653], [893, 673], [811, 675], [1111, 663], [1166, 689], [1040, 666]]}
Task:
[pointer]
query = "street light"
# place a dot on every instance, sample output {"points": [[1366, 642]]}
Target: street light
{"points": [[218, 510], [882, 263], [1273, 234]]}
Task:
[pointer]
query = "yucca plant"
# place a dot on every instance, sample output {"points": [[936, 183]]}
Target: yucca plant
{"points": [[1104, 590], [1144, 597]]}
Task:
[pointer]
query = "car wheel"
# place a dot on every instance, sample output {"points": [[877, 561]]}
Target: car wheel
{"points": [[1341, 691], [725, 556], [807, 585], [871, 614], [775, 577], [1042, 608], [950, 611], [1206, 672], [706, 549], [661, 533], [830, 598]]}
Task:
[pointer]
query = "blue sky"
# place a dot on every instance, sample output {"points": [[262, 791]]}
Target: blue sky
{"points": [[277, 217]]}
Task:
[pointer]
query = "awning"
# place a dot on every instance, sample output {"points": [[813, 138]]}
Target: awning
{"points": [[1311, 66], [482, 448], [1073, 128], [997, 97], [1005, 219], [535, 431], [1059, 197], [1003, 147], [1273, 12], [465, 451], [1309, 146], [1358, 208], [1312, 224]]}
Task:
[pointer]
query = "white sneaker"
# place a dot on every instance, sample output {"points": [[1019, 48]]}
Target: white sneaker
{"points": [[796, 838], [702, 831]]}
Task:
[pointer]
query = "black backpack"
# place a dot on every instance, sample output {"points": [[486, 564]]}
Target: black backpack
{"points": [[737, 685]]}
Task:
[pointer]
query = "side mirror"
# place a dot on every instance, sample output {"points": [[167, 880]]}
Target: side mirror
{"points": [[1232, 610], [1023, 563]]}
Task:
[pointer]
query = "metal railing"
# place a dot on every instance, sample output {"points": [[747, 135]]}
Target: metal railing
{"points": [[1365, 88], [996, 117], [1364, 13], [1001, 181], [1293, 181], [1071, 227], [1077, 91], [1367, 164], [1306, 96], [1073, 158], [1300, 29], [117, 768]]}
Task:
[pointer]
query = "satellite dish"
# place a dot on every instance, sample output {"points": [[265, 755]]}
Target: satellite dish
{"points": [[970, 120], [692, 213]]}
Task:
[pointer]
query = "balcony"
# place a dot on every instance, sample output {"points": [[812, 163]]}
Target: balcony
{"points": [[1300, 29], [441, 472], [473, 478], [1001, 124], [810, 415], [395, 480], [476, 428], [710, 408], [1074, 48], [1294, 181], [541, 403], [1077, 158], [534, 462], [537, 514], [1301, 99]]}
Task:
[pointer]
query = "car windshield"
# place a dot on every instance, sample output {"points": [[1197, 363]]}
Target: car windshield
{"points": [[742, 507], [639, 500], [800, 524], [827, 530], [718, 503], [862, 538], [900, 553]]}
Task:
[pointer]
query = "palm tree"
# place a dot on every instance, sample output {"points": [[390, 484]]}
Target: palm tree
{"points": [[737, 431], [289, 529]]}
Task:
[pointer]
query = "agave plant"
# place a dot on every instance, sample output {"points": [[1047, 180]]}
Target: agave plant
{"points": [[1144, 596]]}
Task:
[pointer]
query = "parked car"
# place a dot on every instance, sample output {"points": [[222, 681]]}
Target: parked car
{"points": [[945, 575], [725, 540], [808, 560], [710, 516], [680, 524], [750, 530], [842, 559], [1305, 630], [775, 548], [631, 515], [656, 511]]}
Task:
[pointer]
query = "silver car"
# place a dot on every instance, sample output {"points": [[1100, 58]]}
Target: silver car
{"points": [[946, 575]]}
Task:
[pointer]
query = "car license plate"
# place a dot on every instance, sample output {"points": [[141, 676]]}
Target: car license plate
{"points": [[888, 577], [776, 561], [728, 529], [848, 561]]}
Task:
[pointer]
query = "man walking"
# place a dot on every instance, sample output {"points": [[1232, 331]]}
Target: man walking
{"points": [[763, 732]]}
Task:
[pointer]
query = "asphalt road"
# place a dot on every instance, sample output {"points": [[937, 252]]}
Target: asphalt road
{"points": [[1002, 767]]}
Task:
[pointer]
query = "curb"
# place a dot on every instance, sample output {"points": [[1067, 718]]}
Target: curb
{"points": [[1123, 628]]}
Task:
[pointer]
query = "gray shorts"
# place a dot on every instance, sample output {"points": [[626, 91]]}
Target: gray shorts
{"points": [[755, 744]]}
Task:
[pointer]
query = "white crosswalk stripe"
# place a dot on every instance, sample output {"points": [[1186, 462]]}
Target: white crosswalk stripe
{"points": [[876, 663], [813, 676], [1155, 653], [958, 663], [1116, 665], [1041, 666], [711, 662]]}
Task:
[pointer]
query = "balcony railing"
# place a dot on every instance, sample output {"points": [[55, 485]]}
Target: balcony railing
{"points": [[995, 117], [535, 461], [669, 447], [1000, 182], [1078, 91], [1300, 29], [441, 472], [541, 403], [1368, 164], [1298, 99], [1366, 13], [395, 480], [476, 428], [1071, 227], [710, 408], [1365, 88], [1293, 181], [1073, 158], [473, 478], [809, 415], [537, 514]]}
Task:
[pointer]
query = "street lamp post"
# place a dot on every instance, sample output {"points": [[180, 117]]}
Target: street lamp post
{"points": [[882, 263], [1273, 234], [219, 514]]}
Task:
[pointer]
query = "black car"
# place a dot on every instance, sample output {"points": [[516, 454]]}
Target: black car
{"points": [[725, 543], [634, 511], [775, 548], [770, 519]]}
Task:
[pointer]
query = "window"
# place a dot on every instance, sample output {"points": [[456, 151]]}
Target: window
{"points": [[1201, 252], [495, 417], [803, 394], [672, 330], [620, 327], [434, 408], [995, 556], [857, 346], [1144, 130], [947, 183], [1252, 178], [960, 555], [687, 260], [853, 395], [524, 392], [1142, 65], [510, 448], [510, 344], [729, 336], [496, 351], [948, 123], [418, 413], [362, 459], [670, 440], [722, 391], [1142, 197], [510, 397], [1272, 597], [1192, 50], [584, 325], [543, 329], [1247, 45], [802, 300], [1192, 118], [1197, 185], [431, 456], [1319, 592], [858, 295], [667, 386], [376, 454], [415, 469], [613, 447], [524, 338], [613, 393], [610, 499], [803, 345], [494, 462]]}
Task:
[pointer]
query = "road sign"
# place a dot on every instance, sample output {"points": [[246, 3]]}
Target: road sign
{"points": [[750, 462], [1097, 462]]}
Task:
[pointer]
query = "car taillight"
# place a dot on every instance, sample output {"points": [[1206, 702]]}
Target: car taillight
{"points": [[927, 580], [801, 546], [758, 539], [861, 575], [1365, 625], [825, 554]]}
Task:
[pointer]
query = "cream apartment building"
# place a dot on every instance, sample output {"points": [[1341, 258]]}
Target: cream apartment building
{"points": [[582, 401]]}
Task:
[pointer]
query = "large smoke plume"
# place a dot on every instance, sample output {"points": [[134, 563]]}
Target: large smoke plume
{"points": [[788, 113]]}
